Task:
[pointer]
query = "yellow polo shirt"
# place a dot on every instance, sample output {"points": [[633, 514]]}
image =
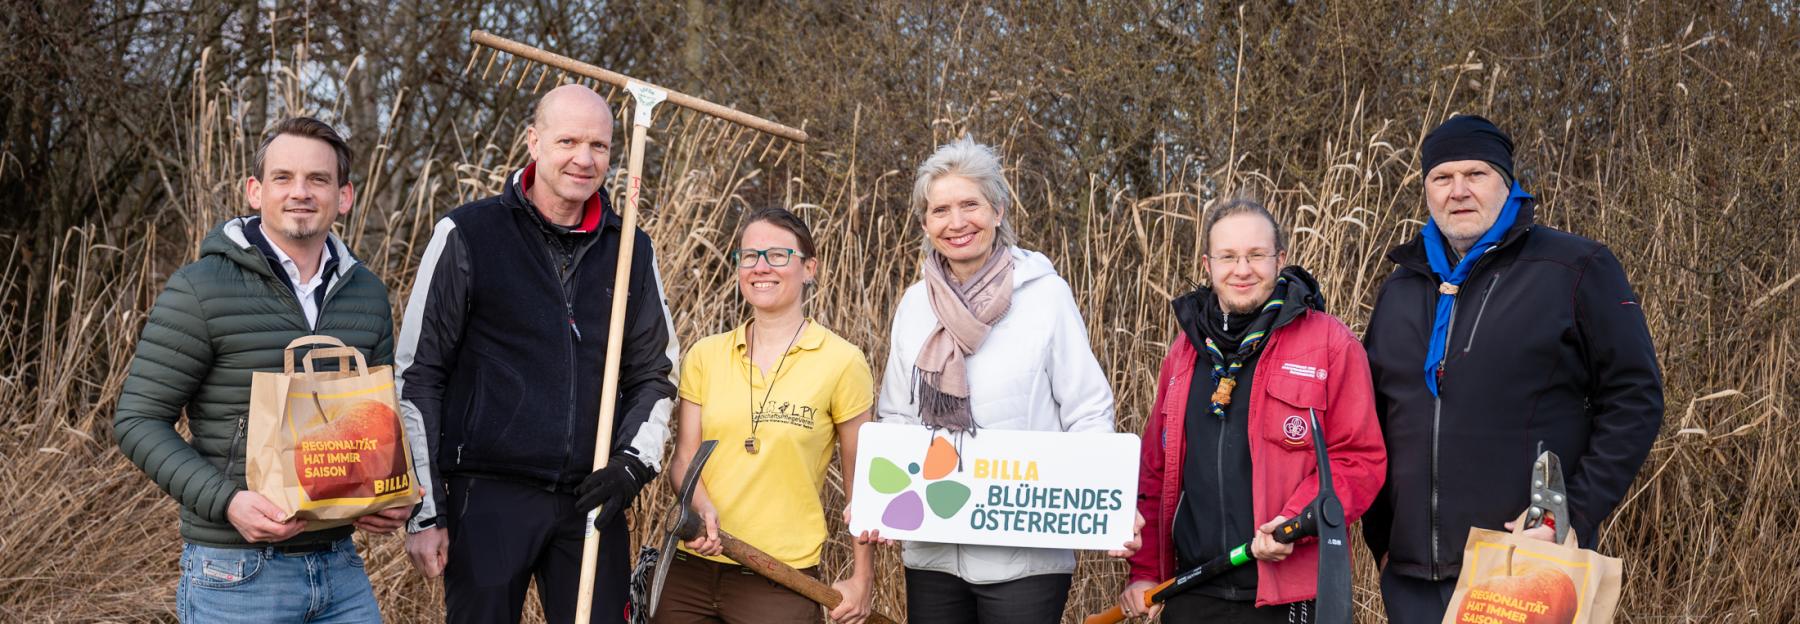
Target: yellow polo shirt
{"points": [[771, 499]]}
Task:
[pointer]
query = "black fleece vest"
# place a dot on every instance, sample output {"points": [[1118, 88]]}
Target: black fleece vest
{"points": [[525, 390]]}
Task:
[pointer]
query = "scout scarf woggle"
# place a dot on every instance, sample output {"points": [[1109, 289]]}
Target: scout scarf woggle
{"points": [[1451, 279]]}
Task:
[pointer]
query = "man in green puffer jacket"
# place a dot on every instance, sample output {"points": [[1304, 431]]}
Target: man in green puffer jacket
{"points": [[261, 282]]}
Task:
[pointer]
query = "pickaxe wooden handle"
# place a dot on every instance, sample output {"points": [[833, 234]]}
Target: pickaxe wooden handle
{"points": [[685, 525], [784, 574]]}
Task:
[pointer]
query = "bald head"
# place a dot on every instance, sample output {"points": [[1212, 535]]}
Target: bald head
{"points": [[570, 139], [569, 97]]}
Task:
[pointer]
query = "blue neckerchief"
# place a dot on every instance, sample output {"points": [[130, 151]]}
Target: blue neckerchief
{"points": [[1440, 264]]}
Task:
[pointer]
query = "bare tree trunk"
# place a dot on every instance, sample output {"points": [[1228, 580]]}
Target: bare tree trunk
{"points": [[256, 55], [693, 49]]}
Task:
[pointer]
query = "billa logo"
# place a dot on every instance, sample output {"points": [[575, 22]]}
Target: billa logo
{"points": [[907, 511]]}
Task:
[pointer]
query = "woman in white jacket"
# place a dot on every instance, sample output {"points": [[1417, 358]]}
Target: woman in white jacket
{"points": [[989, 339]]}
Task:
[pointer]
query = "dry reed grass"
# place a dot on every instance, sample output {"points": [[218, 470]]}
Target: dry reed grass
{"points": [[1706, 533]]}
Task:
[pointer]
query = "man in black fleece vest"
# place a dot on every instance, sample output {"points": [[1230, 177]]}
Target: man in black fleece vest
{"points": [[1494, 335], [500, 360]]}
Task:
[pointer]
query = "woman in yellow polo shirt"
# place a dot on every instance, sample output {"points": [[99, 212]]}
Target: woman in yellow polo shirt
{"points": [[776, 393]]}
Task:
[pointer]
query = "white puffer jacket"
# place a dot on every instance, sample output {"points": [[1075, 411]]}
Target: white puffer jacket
{"points": [[1034, 372]]}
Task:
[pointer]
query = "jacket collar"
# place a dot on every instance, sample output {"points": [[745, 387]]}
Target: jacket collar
{"points": [[596, 214], [278, 259], [1192, 308], [228, 240], [1411, 254]]}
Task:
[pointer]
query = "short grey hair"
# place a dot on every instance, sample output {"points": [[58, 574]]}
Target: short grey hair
{"points": [[979, 164]]}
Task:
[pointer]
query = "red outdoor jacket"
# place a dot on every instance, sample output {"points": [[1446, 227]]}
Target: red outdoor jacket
{"points": [[1312, 362]]}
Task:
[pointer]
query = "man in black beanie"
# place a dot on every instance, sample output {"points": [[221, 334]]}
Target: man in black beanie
{"points": [[1495, 334]]}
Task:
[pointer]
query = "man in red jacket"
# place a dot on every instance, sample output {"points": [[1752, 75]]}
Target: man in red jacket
{"points": [[1227, 451]]}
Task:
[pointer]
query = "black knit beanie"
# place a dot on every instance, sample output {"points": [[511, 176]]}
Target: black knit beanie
{"points": [[1467, 137]]}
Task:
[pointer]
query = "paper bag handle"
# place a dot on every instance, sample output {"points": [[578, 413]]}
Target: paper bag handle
{"points": [[287, 354], [314, 339], [343, 354]]}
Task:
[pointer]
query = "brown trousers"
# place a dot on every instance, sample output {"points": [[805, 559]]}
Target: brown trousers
{"points": [[699, 590]]}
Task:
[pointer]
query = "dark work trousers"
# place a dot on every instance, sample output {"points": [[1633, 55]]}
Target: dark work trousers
{"points": [[1411, 600], [942, 598], [1197, 609], [503, 534]]}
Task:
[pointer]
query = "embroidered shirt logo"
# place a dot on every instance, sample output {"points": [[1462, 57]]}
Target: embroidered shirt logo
{"points": [[1294, 429], [1301, 370]]}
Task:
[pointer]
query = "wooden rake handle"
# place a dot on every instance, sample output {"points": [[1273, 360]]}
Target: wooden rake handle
{"points": [[490, 40], [785, 575]]}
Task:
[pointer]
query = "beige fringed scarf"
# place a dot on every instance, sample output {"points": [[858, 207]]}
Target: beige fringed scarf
{"points": [[965, 313]]}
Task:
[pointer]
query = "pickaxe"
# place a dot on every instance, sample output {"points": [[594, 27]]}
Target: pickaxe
{"points": [[687, 525], [645, 97], [1322, 518]]}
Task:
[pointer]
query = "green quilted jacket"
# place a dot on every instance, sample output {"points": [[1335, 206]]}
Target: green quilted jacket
{"points": [[218, 320]]}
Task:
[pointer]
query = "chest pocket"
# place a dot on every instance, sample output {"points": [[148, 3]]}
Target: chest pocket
{"points": [[1286, 421]]}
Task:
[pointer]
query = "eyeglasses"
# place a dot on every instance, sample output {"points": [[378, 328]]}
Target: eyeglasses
{"points": [[776, 256], [1254, 259]]}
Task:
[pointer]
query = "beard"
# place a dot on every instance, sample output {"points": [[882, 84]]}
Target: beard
{"points": [[1237, 307], [297, 232], [1462, 236], [1242, 305]]}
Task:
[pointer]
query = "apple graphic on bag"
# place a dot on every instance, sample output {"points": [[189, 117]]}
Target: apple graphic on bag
{"points": [[349, 450], [1532, 595]]}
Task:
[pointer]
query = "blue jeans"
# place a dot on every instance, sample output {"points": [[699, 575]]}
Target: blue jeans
{"points": [[264, 585]]}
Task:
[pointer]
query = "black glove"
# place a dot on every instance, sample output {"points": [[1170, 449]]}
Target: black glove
{"points": [[612, 488]]}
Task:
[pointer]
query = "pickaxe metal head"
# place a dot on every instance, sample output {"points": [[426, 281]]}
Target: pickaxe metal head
{"points": [[686, 524]]}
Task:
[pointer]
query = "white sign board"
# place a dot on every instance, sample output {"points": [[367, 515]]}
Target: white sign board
{"points": [[996, 487]]}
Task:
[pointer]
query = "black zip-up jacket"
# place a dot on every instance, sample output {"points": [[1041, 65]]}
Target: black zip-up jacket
{"points": [[1547, 344], [503, 347]]}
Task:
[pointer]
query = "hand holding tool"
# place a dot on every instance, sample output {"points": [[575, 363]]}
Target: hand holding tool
{"points": [[1322, 518], [687, 525]]}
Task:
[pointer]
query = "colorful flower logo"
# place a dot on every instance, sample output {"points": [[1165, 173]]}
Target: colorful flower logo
{"points": [[907, 511]]}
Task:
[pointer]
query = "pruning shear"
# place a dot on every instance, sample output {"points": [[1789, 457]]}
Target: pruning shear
{"points": [[1549, 498]]}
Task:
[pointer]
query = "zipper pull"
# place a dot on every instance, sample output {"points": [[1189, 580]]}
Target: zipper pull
{"points": [[459, 448], [574, 328], [1226, 317]]}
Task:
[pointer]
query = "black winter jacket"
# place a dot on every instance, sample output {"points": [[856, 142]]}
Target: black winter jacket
{"points": [[503, 347], [1547, 344]]}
